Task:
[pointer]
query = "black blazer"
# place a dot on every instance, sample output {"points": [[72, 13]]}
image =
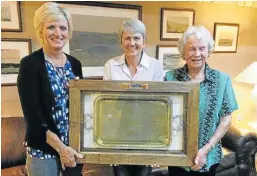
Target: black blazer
{"points": [[37, 98]]}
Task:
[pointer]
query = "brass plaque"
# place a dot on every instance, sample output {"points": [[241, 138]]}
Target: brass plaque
{"points": [[132, 122]]}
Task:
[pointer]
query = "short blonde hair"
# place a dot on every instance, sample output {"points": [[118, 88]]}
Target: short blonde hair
{"points": [[51, 11], [135, 26], [201, 33]]}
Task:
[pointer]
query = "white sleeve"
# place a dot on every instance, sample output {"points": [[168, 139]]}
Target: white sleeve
{"points": [[107, 70], [158, 75]]}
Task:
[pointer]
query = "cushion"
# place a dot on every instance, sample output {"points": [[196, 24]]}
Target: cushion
{"points": [[229, 161], [13, 152]]}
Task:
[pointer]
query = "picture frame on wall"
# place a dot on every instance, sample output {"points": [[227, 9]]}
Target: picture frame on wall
{"points": [[12, 51], [225, 37], [96, 28], [169, 57], [174, 22], [11, 16]]}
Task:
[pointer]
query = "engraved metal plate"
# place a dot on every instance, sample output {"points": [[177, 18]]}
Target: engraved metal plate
{"points": [[134, 123], [148, 119]]}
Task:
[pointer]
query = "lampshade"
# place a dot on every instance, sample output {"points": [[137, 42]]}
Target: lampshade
{"points": [[248, 75]]}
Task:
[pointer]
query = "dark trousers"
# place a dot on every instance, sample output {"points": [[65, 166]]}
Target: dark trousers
{"points": [[71, 171], [132, 170], [178, 171]]}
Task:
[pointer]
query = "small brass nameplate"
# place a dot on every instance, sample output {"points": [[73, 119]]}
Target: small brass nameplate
{"points": [[133, 86]]}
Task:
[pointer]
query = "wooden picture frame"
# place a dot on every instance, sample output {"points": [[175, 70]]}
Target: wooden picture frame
{"points": [[11, 16], [169, 56], [96, 28], [174, 22], [12, 51], [182, 145], [226, 37]]}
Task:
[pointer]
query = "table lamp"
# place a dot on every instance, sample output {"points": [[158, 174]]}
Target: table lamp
{"points": [[249, 75]]}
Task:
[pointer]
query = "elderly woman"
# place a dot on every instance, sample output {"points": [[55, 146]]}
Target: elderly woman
{"points": [[43, 90], [133, 65], [217, 99]]}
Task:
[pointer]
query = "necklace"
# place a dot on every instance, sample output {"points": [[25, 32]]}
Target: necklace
{"points": [[56, 62], [60, 71], [198, 75]]}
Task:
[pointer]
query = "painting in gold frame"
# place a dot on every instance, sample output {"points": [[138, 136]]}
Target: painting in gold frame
{"points": [[11, 16], [174, 22], [12, 51], [226, 37]]}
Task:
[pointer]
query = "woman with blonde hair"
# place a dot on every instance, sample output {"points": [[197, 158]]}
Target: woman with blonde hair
{"points": [[43, 89]]}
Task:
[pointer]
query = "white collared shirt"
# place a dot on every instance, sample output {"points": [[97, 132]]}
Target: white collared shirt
{"points": [[149, 69]]}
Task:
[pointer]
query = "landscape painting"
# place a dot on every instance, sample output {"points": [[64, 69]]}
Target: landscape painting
{"points": [[174, 22], [96, 28], [225, 36], [6, 12], [170, 60], [177, 24], [10, 16], [93, 47], [169, 56], [12, 51], [10, 61]]}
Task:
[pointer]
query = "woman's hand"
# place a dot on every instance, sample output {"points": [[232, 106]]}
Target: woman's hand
{"points": [[221, 130], [67, 154], [67, 157], [200, 158]]}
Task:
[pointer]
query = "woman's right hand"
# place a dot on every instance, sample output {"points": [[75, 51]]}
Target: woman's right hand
{"points": [[67, 157]]}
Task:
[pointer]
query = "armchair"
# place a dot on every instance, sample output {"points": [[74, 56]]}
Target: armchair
{"points": [[13, 153], [240, 160]]}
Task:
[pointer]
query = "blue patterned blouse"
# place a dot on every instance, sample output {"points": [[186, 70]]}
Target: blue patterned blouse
{"points": [[59, 77], [217, 100]]}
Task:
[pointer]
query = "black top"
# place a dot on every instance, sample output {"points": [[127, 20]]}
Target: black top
{"points": [[37, 98]]}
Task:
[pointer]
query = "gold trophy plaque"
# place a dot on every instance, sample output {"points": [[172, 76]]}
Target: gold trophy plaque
{"points": [[139, 123]]}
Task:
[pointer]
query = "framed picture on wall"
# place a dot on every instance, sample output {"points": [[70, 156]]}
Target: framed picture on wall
{"points": [[11, 16], [96, 32], [226, 37], [12, 51], [174, 22], [169, 56]]}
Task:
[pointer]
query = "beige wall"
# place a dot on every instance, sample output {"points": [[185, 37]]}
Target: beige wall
{"points": [[205, 14]]}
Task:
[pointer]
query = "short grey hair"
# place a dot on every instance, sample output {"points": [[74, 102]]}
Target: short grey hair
{"points": [[51, 11], [136, 26], [201, 33]]}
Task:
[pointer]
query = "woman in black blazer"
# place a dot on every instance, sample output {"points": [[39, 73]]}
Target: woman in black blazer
{"points": [[43, 90]]}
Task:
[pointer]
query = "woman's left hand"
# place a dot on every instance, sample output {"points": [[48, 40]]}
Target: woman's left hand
{"points": [[200, 159]]}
